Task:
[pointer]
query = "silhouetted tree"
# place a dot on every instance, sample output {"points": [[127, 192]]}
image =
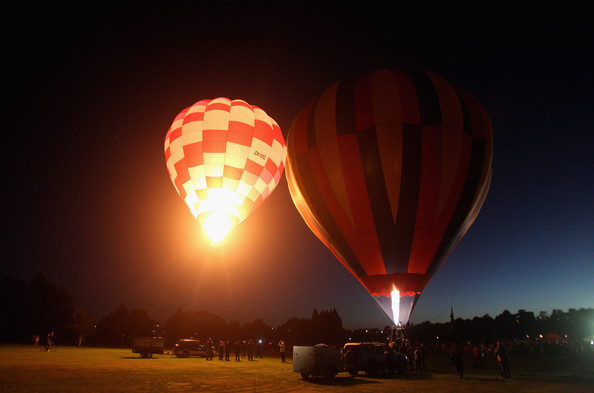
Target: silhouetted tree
{"points": [[256, 330], [177, 327], [527, 323], [506, 326], [82, 325], [296, 331], [112, 329], [14, 313], [139, 324], [234, 331], [36, 307], [197, 324]]}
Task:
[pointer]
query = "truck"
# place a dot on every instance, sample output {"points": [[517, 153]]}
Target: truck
{"points": [[372, 357], [317, 360], [189, 347], [147, 346]]}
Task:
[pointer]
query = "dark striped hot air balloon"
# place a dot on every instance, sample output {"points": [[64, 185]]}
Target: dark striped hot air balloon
{"points": [[389, 171]]}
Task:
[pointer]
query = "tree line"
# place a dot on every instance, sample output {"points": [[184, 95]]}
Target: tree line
{"points": [[573, 325], [39, 306]]}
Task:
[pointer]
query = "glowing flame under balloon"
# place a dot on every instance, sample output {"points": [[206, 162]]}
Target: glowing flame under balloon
{"points": [[217, 225], [397, 307], [220, 214]]}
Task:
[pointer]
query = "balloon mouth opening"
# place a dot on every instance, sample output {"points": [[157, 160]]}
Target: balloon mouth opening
{"points": [[217, 225], [397, 307]]}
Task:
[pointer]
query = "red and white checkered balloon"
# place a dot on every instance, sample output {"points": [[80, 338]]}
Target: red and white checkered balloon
{"points": [[224, 157]]}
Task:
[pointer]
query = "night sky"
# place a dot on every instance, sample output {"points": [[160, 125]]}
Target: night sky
{"points": [[88, 201]]}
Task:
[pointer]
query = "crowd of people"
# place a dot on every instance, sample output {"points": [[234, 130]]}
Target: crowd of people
{"points": [[417, 355], [48, 343], [500, 351], [252, 349]]}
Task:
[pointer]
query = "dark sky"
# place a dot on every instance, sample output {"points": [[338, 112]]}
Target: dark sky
{"points": [[88, 201]]}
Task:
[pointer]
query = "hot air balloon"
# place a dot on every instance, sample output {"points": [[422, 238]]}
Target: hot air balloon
{"points": [[389, 170], [224, 157]]}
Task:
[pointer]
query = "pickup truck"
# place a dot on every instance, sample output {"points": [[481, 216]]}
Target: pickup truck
{"points": [[372, 358], [317, 360]]}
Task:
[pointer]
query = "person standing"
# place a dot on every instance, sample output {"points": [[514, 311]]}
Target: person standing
{"points": [[227, 349], [456, 357], [221, 349], [503, 359], [390, 358], [250, 350], [423, 354], [49, 341], [418, 357], [282, 346], [259, 349], [209, 349], [478, 353], [237, 350]]}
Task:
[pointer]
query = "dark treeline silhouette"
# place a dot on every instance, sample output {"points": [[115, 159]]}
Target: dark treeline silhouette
{"points": [[571, 325], [120, 328], [39, 307], [35, 307]]}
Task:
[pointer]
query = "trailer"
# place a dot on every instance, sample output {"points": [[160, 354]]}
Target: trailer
{"points": [[146, 346], [317, 360]]}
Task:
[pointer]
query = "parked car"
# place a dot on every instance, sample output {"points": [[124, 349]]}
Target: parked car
{"points": [[189, 347], [371, 358]]}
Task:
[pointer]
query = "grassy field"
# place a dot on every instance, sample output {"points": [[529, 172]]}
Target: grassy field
{"points": [[71, 369]]}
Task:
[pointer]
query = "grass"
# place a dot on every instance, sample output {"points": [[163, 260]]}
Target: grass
{"points": [[71, 369]]}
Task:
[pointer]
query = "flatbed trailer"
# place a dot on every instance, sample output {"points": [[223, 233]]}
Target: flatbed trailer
{"points": [[147, 346]]}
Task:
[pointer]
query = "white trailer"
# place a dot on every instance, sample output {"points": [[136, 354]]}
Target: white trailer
{"points": [[317, 360]]}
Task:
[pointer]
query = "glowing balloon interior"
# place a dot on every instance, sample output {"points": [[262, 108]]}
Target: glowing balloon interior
{"points": [[225, 157], [389, 170], [397, 307]]}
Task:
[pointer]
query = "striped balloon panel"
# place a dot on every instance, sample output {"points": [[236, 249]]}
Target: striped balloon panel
{"points": [[226, 149], [389, 170]]}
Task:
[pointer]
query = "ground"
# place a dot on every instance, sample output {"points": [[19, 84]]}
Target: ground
{"points": [[72, 369]]}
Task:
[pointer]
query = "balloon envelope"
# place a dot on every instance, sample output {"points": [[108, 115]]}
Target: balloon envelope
{"points": [[224, 157], [389, 170]]}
